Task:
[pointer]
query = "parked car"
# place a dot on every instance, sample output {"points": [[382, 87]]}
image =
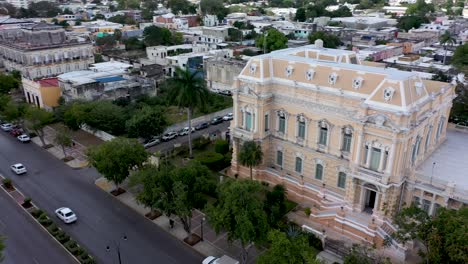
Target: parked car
{"points": [[220, 260], [6, 127], [23, 138], [202, 126], [169, 136], [18, 168], [228, 117], [184, 131], [151, 142], [66, 215], [217, 120], [16, 132], [226, 92]]}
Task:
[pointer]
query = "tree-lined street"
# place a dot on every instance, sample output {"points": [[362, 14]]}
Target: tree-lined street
{"points": [[101, 218]]}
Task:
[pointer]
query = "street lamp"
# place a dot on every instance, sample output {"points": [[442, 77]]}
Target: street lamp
{"points": [[202, 221], [117, 247]]}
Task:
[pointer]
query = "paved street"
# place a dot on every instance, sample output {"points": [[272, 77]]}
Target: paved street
{"points": [[26, 242], [101, 218], [167, 146]]}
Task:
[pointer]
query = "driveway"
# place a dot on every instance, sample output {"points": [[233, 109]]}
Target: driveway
{"points": [[101, 218], [25, 241]]}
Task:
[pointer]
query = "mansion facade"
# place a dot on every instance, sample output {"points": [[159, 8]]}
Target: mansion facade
{"points": [[343, 138]]}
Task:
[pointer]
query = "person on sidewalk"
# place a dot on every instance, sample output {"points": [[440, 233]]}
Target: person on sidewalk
{"points": [[171, 223]]}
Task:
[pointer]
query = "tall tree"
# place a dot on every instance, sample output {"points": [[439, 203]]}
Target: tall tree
{"points": [[301, 14], [409, 22], [146, 123], [181, 6], [155, 36], [286, 249], [214, 7], [114, 159], [250, 155], [275, 40], [37, 119], [239, 211], [43, 9], [447, 39], [460, 58], [188, 90], [329, 40], [8, 83], [63, 139]]}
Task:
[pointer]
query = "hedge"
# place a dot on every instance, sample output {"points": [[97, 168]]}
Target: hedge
{"points": [[221, 146], [212, 160]]}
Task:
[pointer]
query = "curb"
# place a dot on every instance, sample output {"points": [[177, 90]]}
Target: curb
{"points": [[133, 209], [37, 222]]}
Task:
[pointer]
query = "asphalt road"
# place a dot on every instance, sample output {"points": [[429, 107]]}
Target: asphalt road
{"points": [[102, 220], [169, 145], [26, 242]]}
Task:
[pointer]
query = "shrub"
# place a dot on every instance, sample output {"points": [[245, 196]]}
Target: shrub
{"points": [[181, 151], [32, 135], [7, 182], [201, 143], [62, 237], [45, 221], [314, 241], [212, 160], [221, 147], [27, 200], [36, 213], [307, 211], [73, 248], [53, 229]]}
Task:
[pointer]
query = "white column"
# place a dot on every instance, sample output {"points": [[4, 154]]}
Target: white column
{"points": [[357, 160], [382, 157], [254, 121], [368, 159], [390, 158], [236, 110]]}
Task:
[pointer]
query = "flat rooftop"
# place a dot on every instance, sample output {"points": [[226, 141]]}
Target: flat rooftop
{"points": [[451, 161]]}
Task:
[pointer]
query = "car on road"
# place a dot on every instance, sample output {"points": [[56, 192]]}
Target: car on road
{"points": [[151, 142], [184, 131], [66, 215], [202, 126], [23, 138], [225, 92], [228, 117], [169, 136], [16, 132], [6, 127], [220, 260], [18, 168], [217, 120]]}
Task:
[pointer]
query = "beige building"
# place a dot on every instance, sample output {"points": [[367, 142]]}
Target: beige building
{"points": [[344, 138], [43, 93]]}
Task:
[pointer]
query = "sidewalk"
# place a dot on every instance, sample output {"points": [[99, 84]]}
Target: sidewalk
{"points": [[200, 119], [212, 245]]}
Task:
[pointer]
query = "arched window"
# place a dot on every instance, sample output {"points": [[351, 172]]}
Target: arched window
{"points": [[347, 137], [415, 151], [323, 133], [319, 171]]}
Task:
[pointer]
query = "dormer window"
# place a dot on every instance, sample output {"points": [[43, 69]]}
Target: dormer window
{"points": [[357, 82], [253, 68], [289, 71], [388, 93], [332, 78], [309, 74]]}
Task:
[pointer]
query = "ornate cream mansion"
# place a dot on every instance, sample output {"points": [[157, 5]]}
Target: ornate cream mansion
{"points": [[350, 141]]}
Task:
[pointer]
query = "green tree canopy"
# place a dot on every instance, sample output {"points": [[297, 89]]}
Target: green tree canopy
{"points": [[146, 123], [408, 22], [63, 139], [420, 8], [300, 14], [250, 155], [182, 6], [284, 250], [275, 40], [214, 7], [155, 36], [8, 83], [460, 58], [240, 213], [37, 119], [329, 40], [43, 9], [114, 159]]}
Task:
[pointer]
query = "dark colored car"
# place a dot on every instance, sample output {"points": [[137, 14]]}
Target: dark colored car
{"points": [[16, 132], [217, 120], [202, 126]]}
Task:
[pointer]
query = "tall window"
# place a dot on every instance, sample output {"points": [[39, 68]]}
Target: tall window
{"points": [[347, 136], [267, 125], [323, 136], [342, 179], [439, 128], [301, 129], [298, 165], [415, 151], [416, 201], [375, 159], [282, 124], [435, 209], [279, 158], [366, 150], [428, 139], [319, 172], [248, 121], [426, 205]]}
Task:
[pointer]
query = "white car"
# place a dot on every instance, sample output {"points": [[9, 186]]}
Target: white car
{"points": [[24, 138], [222, 260], [6, 127], [66, 215], [169, 135], [228, 117], [151, 142], [184, 131], [18, 168]]}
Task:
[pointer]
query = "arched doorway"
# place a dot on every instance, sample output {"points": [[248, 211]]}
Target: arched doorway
{"points": [[369, 198]]}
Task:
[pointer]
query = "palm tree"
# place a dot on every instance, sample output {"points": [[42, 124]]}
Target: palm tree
{"points": [[250, 155], [188, 90], [447, 39]]}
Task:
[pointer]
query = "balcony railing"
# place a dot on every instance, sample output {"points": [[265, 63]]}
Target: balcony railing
{"points": [[367, 174], [243, 134]]}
